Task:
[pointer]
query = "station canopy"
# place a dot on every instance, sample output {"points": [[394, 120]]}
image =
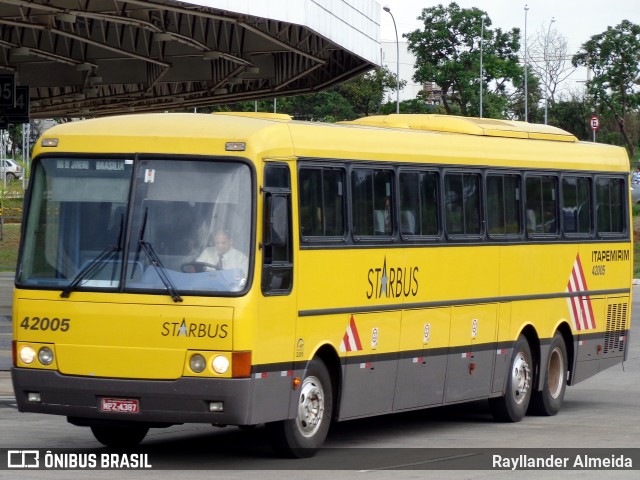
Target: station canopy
{"points": [[103, 57]]}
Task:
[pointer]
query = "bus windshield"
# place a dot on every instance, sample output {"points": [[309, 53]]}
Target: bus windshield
{"points": [[154, 225]]}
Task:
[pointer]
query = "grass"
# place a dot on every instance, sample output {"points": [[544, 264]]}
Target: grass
{"points": [[11, 205], [9, 247]]}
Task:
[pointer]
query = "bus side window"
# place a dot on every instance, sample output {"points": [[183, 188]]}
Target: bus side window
{"points": [[611, 197], [576, 205], [277, 263], [419, 203], [503, 208], [462, 204], [542, 201], [372, 207], [321, 203]]}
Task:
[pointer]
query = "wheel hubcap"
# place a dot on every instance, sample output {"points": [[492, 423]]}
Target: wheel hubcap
{"points": [[310, 407], [555, 375], [520, 378]]}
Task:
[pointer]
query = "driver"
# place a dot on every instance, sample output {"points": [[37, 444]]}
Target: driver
{"points": [[222, 255]]}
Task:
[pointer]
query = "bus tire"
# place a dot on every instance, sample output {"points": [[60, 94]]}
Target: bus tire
{"points": [[302, 436], [547, 402], [119, 437], [512, 406]]}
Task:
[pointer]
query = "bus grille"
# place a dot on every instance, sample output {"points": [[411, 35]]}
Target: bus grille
{"points": [[615, 336]]}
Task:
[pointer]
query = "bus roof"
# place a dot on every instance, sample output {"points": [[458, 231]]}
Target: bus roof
{"points": [[468, 125], [410, 138]]}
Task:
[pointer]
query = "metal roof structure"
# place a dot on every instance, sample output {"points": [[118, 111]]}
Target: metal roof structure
{"points": [[103, 57]]}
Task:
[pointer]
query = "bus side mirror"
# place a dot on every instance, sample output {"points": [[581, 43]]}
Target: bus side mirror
{"points": [[277, 224]]}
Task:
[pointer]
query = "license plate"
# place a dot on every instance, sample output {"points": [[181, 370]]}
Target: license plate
{"points": [[120, 405]]}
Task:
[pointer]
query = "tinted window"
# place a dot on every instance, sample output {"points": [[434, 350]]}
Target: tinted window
{"points": [[611, 197], [321, 202], [503, 209], [277, 256], [541, 205], [419, 194], [576, 205], [462, 203], [372, 202]]}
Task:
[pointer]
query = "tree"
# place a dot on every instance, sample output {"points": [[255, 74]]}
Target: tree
{"points": [[360, 96], [366, 92], [447, 52], [614, 58], [534, 95], [571, 113], [549, 59]]}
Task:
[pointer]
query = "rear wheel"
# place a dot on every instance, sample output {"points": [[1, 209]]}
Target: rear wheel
{"points": [[512, 406], [303, 435], [549, 400], [119, 437]]}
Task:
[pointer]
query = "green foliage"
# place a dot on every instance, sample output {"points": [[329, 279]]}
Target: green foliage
{"points": [[447, 52], [9, 246], [358, 97], [614, 57], [573, 116], [11, 200], [415, 105], [365, 93], [534, 95]]}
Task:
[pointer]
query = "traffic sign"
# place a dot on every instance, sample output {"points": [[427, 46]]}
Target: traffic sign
{"points": [[595, 123], [7, 90], [20, 107], [17, 112]]}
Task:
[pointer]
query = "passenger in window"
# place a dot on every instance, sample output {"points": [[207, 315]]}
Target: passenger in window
{"points": [[387, 215], [531, 221], [222, 255]]}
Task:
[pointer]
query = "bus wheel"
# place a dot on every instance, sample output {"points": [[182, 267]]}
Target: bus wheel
{"points": [[512, 407], [303, 435], [549, 400], [119, 437]]}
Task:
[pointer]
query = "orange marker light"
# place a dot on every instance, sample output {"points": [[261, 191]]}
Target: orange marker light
{"points": [[241, 364], [296, 383]]}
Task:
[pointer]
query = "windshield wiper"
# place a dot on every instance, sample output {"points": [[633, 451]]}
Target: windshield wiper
{"points": [[94, 264], [155, 260], [157, 264], [89, 268]]}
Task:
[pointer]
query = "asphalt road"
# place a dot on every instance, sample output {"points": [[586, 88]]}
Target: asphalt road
{"points": [[602, 412]]}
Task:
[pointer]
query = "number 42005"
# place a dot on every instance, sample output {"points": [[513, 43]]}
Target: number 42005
{"points": [[45, 323]]}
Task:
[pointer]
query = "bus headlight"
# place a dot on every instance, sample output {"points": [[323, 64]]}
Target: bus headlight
{"points": [[27, 354], [220, 364], [197, 363], [45, 356]]}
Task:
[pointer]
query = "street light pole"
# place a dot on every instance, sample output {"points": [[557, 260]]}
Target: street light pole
{"points": [[526, 92], [388, 10], [481, 83], [547, 78]]}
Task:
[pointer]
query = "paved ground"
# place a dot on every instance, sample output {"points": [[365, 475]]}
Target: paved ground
{"points": [[603, 412], [6, 300]]}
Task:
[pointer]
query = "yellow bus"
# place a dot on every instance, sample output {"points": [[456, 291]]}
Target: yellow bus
{"points": [[248, 269]]}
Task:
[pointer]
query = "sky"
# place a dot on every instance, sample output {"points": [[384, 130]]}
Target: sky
{"points": [[576, 20]]}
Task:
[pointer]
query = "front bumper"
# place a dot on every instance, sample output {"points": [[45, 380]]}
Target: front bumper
{"points": [[185, 400]]}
